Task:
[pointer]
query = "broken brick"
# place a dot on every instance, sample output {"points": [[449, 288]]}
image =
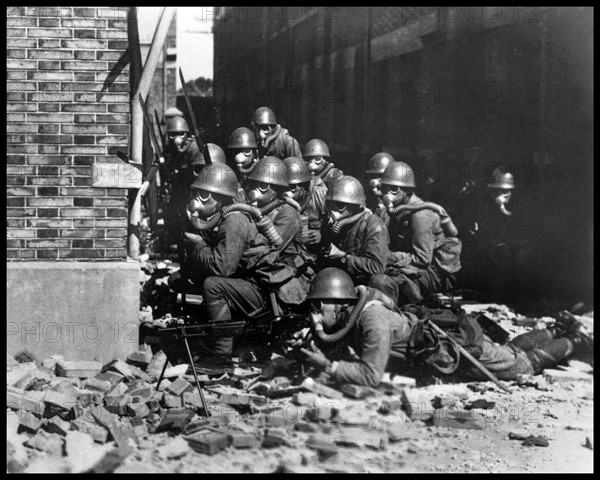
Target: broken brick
{"points": [[29, 422], [306, 427], [368, 439], [153, 405], [117, 390], [56, 399], [25, 356], [323, 446], [24, 402], [117, 365], [138, 410], [111, 377], [57, 425], [356, 391], [192, 399], [441, 401], [459, 419], [98, 433], [321, 413], [84, 369], [103, 417], [397, 433], [390, 405], [175, 420], [16, 373], [172, 401], [238, 439], [156, 364], [179, 386], [140, 359], [99, 385], [208, 443], [91, 398], [118, 404], [480, 403], [274, 437], [123, 434], [413, 402], [355, 417], [319, 388]]}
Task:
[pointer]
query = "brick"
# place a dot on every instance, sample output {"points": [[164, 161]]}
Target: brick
{"points": [[82, 65], [48, 180], [79, 369], [112, 118], [50, 54], [49, 202], [274, 437], [117, 404], [99, 385], [14, 107], [172, 401], [16, 97], [84, 33], [50, 32], [112, 12], [91, 398], [83, 150], [20, 212], [414, 402], [21, 42], [369, 439], [118, 108], [390, 405], [138, 409], [16, 53], [47, 212], [119, 366], [175, 420], [98, 433], [208, 443], [356, 391], [29, 422], [15, 32], [50, 76], [49, 22], [58, 426], [81, 212], [113, 377], [48, 107], [79, 129], [83, 23], [56, 399], [47, 160], [311, 385], [49, 43], [85, 43], [49, 129], [103, 417], [21, 22], [461, 419], [325, 448], [11, 128], [49, 11]]}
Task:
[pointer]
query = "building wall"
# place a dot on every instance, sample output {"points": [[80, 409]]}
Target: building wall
{"points": [[67, 111], [478, 85]]}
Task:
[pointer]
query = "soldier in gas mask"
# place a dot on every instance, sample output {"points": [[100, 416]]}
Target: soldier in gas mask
{"points": [[422, 237], [369, 322], [375, 168], [317, 157], [353, 237], [272, 139], [243, 148]]}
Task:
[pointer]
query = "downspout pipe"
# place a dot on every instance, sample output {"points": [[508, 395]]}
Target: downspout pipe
{"points": [[137, 125]]}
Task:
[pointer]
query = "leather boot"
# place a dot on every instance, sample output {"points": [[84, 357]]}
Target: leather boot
{"points": [[550, 354], [219, 311], [534, 339]]}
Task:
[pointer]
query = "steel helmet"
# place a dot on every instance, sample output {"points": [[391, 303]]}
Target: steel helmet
{"points": [[270, 170], [398, 174], [173, 112], [502, 179], [242, 138], [333, 284], [177, 124], [264, 116], [217, 178], [297, 170], [316, 147], [347, 189], [379, 162], [217, 155]]}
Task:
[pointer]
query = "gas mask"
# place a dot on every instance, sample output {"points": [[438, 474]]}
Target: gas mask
{"points": [[260, 193], [501, 199], [203, 203], [245, 160], [375, 186], [336, 211], [316, 164], [297, 192], [263, 132], [179, 140], [394, 195], [326, 314]]}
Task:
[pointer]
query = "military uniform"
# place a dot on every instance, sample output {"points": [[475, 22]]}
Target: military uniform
{"points": [[366, 243], [283, 146], [426, 259]]}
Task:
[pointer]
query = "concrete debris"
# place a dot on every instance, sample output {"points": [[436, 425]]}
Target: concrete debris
{"points": [[324, 447], [320, 389], [78, 369]]}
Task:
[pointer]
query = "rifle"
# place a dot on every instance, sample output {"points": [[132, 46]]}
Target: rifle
{"points": [[160, 132], [158, 158], [470, 357], [201, 145]]}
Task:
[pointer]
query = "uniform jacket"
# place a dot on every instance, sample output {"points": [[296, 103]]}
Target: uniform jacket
{"points": [[378, 333], [366, 242], [330, 174], [418, 240], [282, 147]]}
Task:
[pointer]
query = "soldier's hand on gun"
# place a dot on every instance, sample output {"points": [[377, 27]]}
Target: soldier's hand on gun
{"points": [[316, 356], [313, 237]]}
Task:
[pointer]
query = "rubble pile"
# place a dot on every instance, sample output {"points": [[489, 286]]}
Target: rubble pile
{"points": [[70, 416]]}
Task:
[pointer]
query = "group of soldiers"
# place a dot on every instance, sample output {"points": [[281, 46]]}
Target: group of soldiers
{"points": [[271, 225]]}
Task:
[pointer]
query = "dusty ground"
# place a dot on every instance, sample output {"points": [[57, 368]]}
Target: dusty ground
{"points": [[559, 410]]}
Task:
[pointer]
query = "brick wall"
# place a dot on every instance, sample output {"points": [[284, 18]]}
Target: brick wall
{"points": [[67, 110]]}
